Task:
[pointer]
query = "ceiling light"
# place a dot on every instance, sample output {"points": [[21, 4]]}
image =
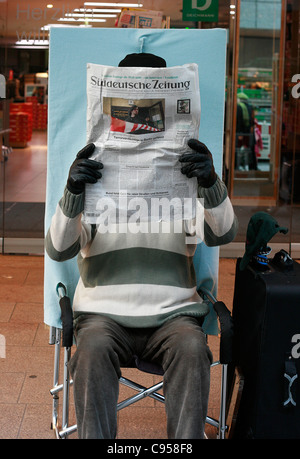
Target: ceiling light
{"points": [[32, 42], [80, 20], [50, 5], [96, 10], [48, 26], [120, 5], [91, 15], [33, 46]]}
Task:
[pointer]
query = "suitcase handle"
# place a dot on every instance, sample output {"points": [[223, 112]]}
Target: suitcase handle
{"points": [[283, 260]]}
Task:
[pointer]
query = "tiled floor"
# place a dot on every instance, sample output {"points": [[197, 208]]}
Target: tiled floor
{"points": [[25, 171], [26, 359]]}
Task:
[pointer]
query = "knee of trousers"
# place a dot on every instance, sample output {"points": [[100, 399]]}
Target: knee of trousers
{"points": [[94, 351], [191, 349]]}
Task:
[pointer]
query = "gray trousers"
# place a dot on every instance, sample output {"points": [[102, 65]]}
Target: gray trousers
{"points": [[103, 347]]}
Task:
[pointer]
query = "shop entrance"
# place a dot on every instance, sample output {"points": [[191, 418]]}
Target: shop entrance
{"points": [[263, 150], [258, 102]]}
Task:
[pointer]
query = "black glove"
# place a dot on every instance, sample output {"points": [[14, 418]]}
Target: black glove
{"points": [[83, 170], [199, 164]]}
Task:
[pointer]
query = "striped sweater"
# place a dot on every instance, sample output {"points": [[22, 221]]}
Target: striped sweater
{"points": [[138, 278]]}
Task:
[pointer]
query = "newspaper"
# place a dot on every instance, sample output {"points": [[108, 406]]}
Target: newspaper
{"points": [[140, 120], [141, 18]]}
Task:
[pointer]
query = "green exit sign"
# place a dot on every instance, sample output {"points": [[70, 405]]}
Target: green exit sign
{"points": [[200, 10]]}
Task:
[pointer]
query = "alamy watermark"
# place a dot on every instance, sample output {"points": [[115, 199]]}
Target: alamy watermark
{"points": [[295, 352], [296, 87], [2, 347], [2, 87], [151, 215], [51, 15]]}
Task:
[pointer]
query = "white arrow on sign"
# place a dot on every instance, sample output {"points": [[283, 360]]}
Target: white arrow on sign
{"points": [[201, 8]]}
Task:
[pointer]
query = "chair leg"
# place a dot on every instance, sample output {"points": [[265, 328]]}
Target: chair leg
{"points": [[222, 420], [66, 388], [143, 392], [55, 338]]}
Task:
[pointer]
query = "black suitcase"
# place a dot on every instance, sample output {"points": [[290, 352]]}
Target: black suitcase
{"points": [[266, 315]]}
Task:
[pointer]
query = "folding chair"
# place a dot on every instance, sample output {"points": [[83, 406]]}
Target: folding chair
{"points": [[64, 337], [66, 134]]}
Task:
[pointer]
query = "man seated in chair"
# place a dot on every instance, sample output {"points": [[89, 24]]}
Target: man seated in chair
{"points": [[137, 296]]}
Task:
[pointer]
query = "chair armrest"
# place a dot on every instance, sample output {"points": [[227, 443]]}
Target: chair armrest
{"points": [[226, 327], [66, 316]]}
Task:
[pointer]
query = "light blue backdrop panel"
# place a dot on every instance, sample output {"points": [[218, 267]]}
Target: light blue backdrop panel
{"points": [[70, 51]]}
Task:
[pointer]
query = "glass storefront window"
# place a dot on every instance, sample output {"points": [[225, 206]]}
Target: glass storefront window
{"points": [[258, 107], [23, 118], [265, 148], [261, 165], [290, 141]]}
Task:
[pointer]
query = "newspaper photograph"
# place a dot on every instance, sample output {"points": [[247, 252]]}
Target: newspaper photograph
{"points": [[140, 120]]}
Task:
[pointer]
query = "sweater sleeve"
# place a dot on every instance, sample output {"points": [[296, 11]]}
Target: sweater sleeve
{"points": [[67, 234], [215, 223]]}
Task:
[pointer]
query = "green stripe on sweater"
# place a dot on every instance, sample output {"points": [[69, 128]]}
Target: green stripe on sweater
{"points": [[198, 310], [135, 266], [63, 255]]}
